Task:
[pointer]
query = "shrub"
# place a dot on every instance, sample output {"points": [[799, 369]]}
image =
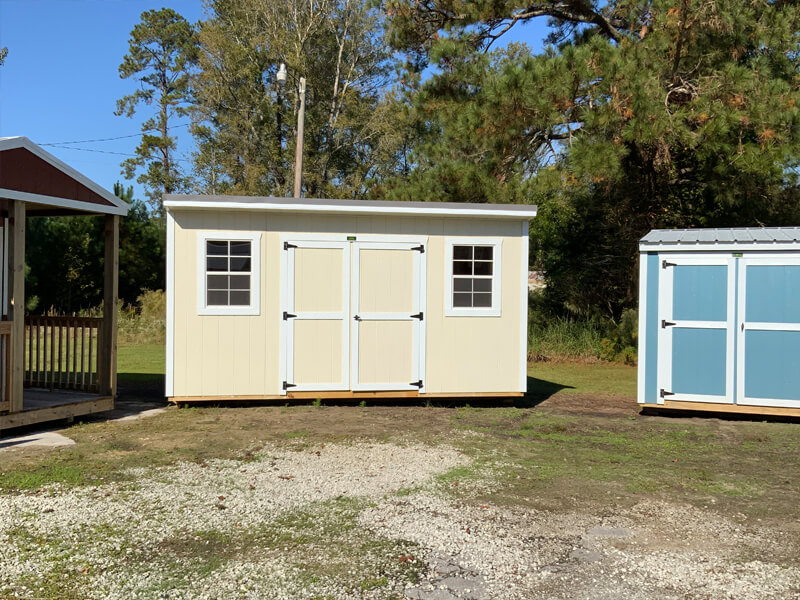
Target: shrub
{"points": [[144, 323], [553, 336], [621, 338]]}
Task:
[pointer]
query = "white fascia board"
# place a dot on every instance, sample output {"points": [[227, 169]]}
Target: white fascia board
{"points": [[23, 142], [724, 247], [63, 202], [367, 209]]}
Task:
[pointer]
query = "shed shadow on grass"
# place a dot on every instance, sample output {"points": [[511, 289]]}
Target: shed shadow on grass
{"points": [[539, 390]]}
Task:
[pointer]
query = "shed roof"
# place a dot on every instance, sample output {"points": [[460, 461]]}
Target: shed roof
{"points": [[329, 205], [767, 238], [31, 174]]}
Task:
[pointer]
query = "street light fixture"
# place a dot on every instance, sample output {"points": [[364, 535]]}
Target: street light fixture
{"points": [[301, 117]]}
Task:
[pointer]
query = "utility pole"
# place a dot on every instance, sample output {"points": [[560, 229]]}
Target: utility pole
{"points": [[301, 118], [298, 153]]}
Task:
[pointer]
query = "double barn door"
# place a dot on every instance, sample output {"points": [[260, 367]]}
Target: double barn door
{"points": [[729, 329], [353, 315]]}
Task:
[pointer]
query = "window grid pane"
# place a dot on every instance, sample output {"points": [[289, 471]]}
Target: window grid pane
{"points": [[228, 267], [473, 272]]}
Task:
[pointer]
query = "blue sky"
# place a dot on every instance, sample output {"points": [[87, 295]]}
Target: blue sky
{"points": [[60, 81]]}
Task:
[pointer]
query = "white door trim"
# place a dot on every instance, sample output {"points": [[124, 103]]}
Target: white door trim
{"points": [[665, 311], [418, 306]]}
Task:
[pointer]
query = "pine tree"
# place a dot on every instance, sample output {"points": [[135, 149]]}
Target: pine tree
{"points": [[161, 56], [638, 114]]}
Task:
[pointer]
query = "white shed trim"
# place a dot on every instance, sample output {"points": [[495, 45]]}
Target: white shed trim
{"points": [[364, 207], [170, 291], [523, 376], [118, 206]]}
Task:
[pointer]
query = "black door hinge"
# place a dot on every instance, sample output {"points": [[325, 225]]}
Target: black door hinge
{"points": [[287, 385], [665, 264], [664, 393], [419, 315], [287, 245], [420, 249], [665, 324], [416, 383], [357, 318], [288, 315]]}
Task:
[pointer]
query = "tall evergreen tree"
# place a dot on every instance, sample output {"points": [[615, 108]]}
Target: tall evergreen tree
{"points": [[638, 114], [161, 55], [247, 132]]}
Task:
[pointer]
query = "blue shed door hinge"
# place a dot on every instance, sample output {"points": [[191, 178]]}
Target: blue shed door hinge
{"points": [[664, 393], [665, 264], [665, 324]]}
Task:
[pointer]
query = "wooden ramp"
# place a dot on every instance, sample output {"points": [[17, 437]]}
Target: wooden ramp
{"points": [[41, 405]]}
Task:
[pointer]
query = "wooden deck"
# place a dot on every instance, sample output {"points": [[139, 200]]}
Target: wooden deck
{"points": [[40, 405]]}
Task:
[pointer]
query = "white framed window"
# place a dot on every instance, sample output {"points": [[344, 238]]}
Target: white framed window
{"points": [[228, 273], [472, 270]]}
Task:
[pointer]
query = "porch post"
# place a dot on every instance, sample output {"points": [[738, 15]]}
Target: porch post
{"points": [[16, 276], [108, 344]]}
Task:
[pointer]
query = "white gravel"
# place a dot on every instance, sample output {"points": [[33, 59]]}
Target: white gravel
{"points": [[366, 540]]}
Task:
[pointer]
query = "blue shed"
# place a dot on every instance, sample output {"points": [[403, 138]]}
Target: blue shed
{"points": [[719, 320]]}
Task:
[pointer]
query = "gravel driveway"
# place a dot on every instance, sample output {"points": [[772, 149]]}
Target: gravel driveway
{"points": [[367, 520]]}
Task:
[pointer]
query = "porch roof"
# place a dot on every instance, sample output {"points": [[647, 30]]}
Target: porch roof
{"points": [[33, 175]]}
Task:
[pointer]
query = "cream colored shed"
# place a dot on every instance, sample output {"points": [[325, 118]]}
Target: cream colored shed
{"points": [[271, 298]]}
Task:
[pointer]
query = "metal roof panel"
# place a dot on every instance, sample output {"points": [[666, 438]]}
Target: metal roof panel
{"points": [[732, 235]]}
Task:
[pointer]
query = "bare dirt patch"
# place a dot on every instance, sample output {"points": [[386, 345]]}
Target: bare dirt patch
{"points": [[577, 497]]}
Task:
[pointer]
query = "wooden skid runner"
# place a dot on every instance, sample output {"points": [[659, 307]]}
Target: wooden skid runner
{"points": [[341, 396], [674, 405], [52, 413]]}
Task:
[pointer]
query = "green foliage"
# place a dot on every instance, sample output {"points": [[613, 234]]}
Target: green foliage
{"points": [[71, 279], [552, 336], [246, 128], [636, 115], [161, 56], [145, 322], [3, 55], [621, 341]]}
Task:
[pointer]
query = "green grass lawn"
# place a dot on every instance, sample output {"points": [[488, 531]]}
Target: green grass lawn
{"points": [[581, 378], [141, 362]]}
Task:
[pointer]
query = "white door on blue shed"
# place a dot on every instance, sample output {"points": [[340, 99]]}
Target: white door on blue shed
{"points": [[768, 345], [696, 306]]}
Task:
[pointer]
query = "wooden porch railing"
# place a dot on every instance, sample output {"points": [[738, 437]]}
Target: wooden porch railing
{"points": [[62, 352], [5, 365]]}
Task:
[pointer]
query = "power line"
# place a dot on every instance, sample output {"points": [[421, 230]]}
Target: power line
{"points": [[90, 150], [111, 139], [109, 152]]}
